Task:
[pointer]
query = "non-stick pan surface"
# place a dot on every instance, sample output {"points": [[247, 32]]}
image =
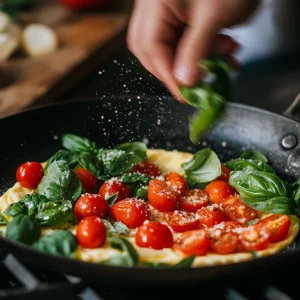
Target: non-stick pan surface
{"points": [[36, 135]]}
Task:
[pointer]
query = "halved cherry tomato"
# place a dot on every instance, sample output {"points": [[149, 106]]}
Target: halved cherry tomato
{"points": [[148, 168], [181, 221], [176, 181], [219, 190], [193, 199], [111, 187], [161, 196], [193, 242], [210, 216], [228, 226], [132, 212], [91, 232], [240, 212], [255, 238], [223, 242], [91, 205], [230, 200], [88, 180], [278, 225], [154, 235], [225, 173], [30, 174]]}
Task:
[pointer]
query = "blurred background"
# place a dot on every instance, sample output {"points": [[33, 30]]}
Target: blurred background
{"points": [[69, 50]]}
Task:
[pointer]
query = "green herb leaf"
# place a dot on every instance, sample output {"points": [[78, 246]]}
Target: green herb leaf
{"points": [[112, 199], [253, 154], [116, 228], [141, 192], [55, 213], [254, 254], [87, 161], [252, 222], [135, 178], [68, 156], [60, 242], [262, 191], [185, 263], [60, 183], [3, 220], [23, 229], [205, 166], [151, 264], [77, 143], [137, 148], [242, 164]]}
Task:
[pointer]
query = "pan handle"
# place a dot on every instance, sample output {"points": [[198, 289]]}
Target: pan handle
{"points": [[293, 111]]}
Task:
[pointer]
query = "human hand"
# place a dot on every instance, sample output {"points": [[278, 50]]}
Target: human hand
{"points": [[171, 37]]}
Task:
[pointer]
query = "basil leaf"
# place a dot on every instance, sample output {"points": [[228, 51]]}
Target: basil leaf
{"points": [[151, 264], [77, 143], [141, 192], [254, 254], [128, 258], [55, 213], [252, 222], [90, 163], [241, 164], [112, 199], [253, 154], [60, 183], [116, 162], [15, 209], [185, 263], [262, 191], [135, 178], [23, 229], [205, 166], [3, 220], [60, 242], [296, 193], [137, 148], [116, 228], [68, 156]]}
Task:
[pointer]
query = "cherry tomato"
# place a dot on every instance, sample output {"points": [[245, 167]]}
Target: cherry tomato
{"points": [[228, 226], [181, 221], [255, 238], [230, 200], [91, 232], [88, 180], [91, 205], [30, 174], [111, 187], [219, 190], [210, 216], [240, 212], [223, 242], [148, 168], [154, 235], [161, 196], [225, 173], [132, 212], [278, 225], [84, 4], [176, 181], [193, 199], [193, 242]]}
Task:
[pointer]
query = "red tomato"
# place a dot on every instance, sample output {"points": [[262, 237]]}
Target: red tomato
{"points": [[225, 173], [154, 235], [88, 180], [193, 199], [84, 4], [161, 196], [30, 174], [278, 225], [193, 242], [223, 242], [111, 187], [146, 167], [132, 212], [230, 200], [181, 221], [219, 190], [228, 226], [91, 232], [176, 181], [210, 216], [255, 238], [91, 205], [240, 212]]}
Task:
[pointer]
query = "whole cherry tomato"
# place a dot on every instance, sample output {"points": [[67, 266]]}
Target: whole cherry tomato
{"points": [[148, 168], [225, 173], [88, 180], [111, 187], [176, 181], [219, 190], [30, 174]]}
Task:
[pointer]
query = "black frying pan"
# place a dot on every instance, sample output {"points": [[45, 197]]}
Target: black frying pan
{"points": [[35, 135]]}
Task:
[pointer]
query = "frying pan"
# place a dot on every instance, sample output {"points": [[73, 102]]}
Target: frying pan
{"points": [[163, 123]]}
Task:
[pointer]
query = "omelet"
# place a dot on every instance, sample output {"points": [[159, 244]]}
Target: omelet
{"points": [[168, 161]]}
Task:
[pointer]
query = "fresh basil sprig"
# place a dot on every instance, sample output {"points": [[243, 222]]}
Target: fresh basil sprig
{"points": [[77, 143], [208, 98], [263, 191], [60, 242], [242, 164], [135, 178], [116, 229], [205, 166], [70, 157], [253, 154], [137, 148]]}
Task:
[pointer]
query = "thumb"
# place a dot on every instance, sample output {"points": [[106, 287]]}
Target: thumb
{"points": [[195, 44]]}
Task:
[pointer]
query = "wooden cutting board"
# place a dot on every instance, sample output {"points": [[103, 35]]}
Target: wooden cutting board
{"points": [[86, 39]]}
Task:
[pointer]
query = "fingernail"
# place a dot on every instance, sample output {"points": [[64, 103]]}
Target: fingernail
{"points": [[187, 76]]}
